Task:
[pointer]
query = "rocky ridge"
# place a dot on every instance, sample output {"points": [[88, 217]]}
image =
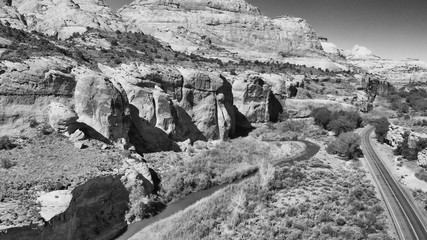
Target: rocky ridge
{"points": [[236, 26]]}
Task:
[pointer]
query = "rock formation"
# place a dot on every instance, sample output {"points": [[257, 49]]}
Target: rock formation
{"points": [[175, 104], [194, 25], [102, 106], [28, 87], [66, 17], [255, 99], [61, 118]]}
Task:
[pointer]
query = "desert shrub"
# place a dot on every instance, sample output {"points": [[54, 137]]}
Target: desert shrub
{"points": [[322, 116], [422, 175], [6, 163], [288, 130], [346, 145], [381, 129], [6, 143], [339, 121]]}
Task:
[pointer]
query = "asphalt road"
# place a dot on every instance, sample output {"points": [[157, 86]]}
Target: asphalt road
{"points": [[404, 214]]}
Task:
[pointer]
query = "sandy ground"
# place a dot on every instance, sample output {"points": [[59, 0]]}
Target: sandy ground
{"points": [[404, 174], [54, 203]]}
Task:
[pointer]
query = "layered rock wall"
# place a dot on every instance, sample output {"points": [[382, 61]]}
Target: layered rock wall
{"points": [[234, 25]]}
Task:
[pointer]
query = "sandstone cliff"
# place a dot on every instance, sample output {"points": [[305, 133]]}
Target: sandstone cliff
{"points": [[235, 25], [65, 17]]}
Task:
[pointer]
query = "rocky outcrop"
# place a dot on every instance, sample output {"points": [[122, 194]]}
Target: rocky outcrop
{"points": [[359, 52], [28, 87], [422, 158], [255, 99], [171, 104], [193, 25], [96, 211], [377, 87], [61, 117], [9, 16], [101, 105], [65, 17], [208, 99], [395, 135]]}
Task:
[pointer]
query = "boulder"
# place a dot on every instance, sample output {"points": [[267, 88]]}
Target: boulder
{"points": [[101, 106], [137, 173], [61, 117], [422, 158], [80, 145], [208, 99], [77, 136], [254, 98]]}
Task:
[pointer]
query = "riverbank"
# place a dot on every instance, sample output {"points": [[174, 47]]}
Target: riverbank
{"points": [[279, 153], [318, 198]]}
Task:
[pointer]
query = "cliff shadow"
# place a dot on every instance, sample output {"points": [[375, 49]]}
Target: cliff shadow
{"points": [[147, 138], [243, 126]]}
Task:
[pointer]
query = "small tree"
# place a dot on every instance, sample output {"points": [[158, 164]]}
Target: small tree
{"points": [[322, 116], [381, 129], [346, 145], [341, 125]]}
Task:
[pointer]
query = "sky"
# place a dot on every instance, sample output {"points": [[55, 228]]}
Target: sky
{"points": [[395, 29]]}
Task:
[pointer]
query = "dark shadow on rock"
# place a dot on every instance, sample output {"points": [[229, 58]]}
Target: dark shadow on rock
{"points": [[88, 131], [156, 180], [147, 138], [185, 127], [275, 108], [243, 126]]}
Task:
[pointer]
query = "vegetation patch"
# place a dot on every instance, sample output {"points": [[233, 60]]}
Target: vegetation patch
{"points": [[293, 202], [288, 130], [224, 163], [338, 122]]}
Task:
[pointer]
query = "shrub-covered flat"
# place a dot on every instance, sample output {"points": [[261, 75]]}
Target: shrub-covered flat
{"points": [[304, 201]]}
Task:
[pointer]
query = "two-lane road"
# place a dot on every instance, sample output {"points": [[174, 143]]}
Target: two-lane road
{"points": [[405, 216]]}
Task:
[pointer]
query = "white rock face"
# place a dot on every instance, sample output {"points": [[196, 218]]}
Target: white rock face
{"points": [[61, 117], [54, 203], [65, 17], [359, 52], [196, 25], [331, 48], [101, 105], [10, 15]]}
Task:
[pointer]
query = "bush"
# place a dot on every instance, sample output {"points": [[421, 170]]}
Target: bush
{"points": [[5, 143], [422, 175], [6, 163], [381, 129], [322, 116], [340, 121], [347, 145]]}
